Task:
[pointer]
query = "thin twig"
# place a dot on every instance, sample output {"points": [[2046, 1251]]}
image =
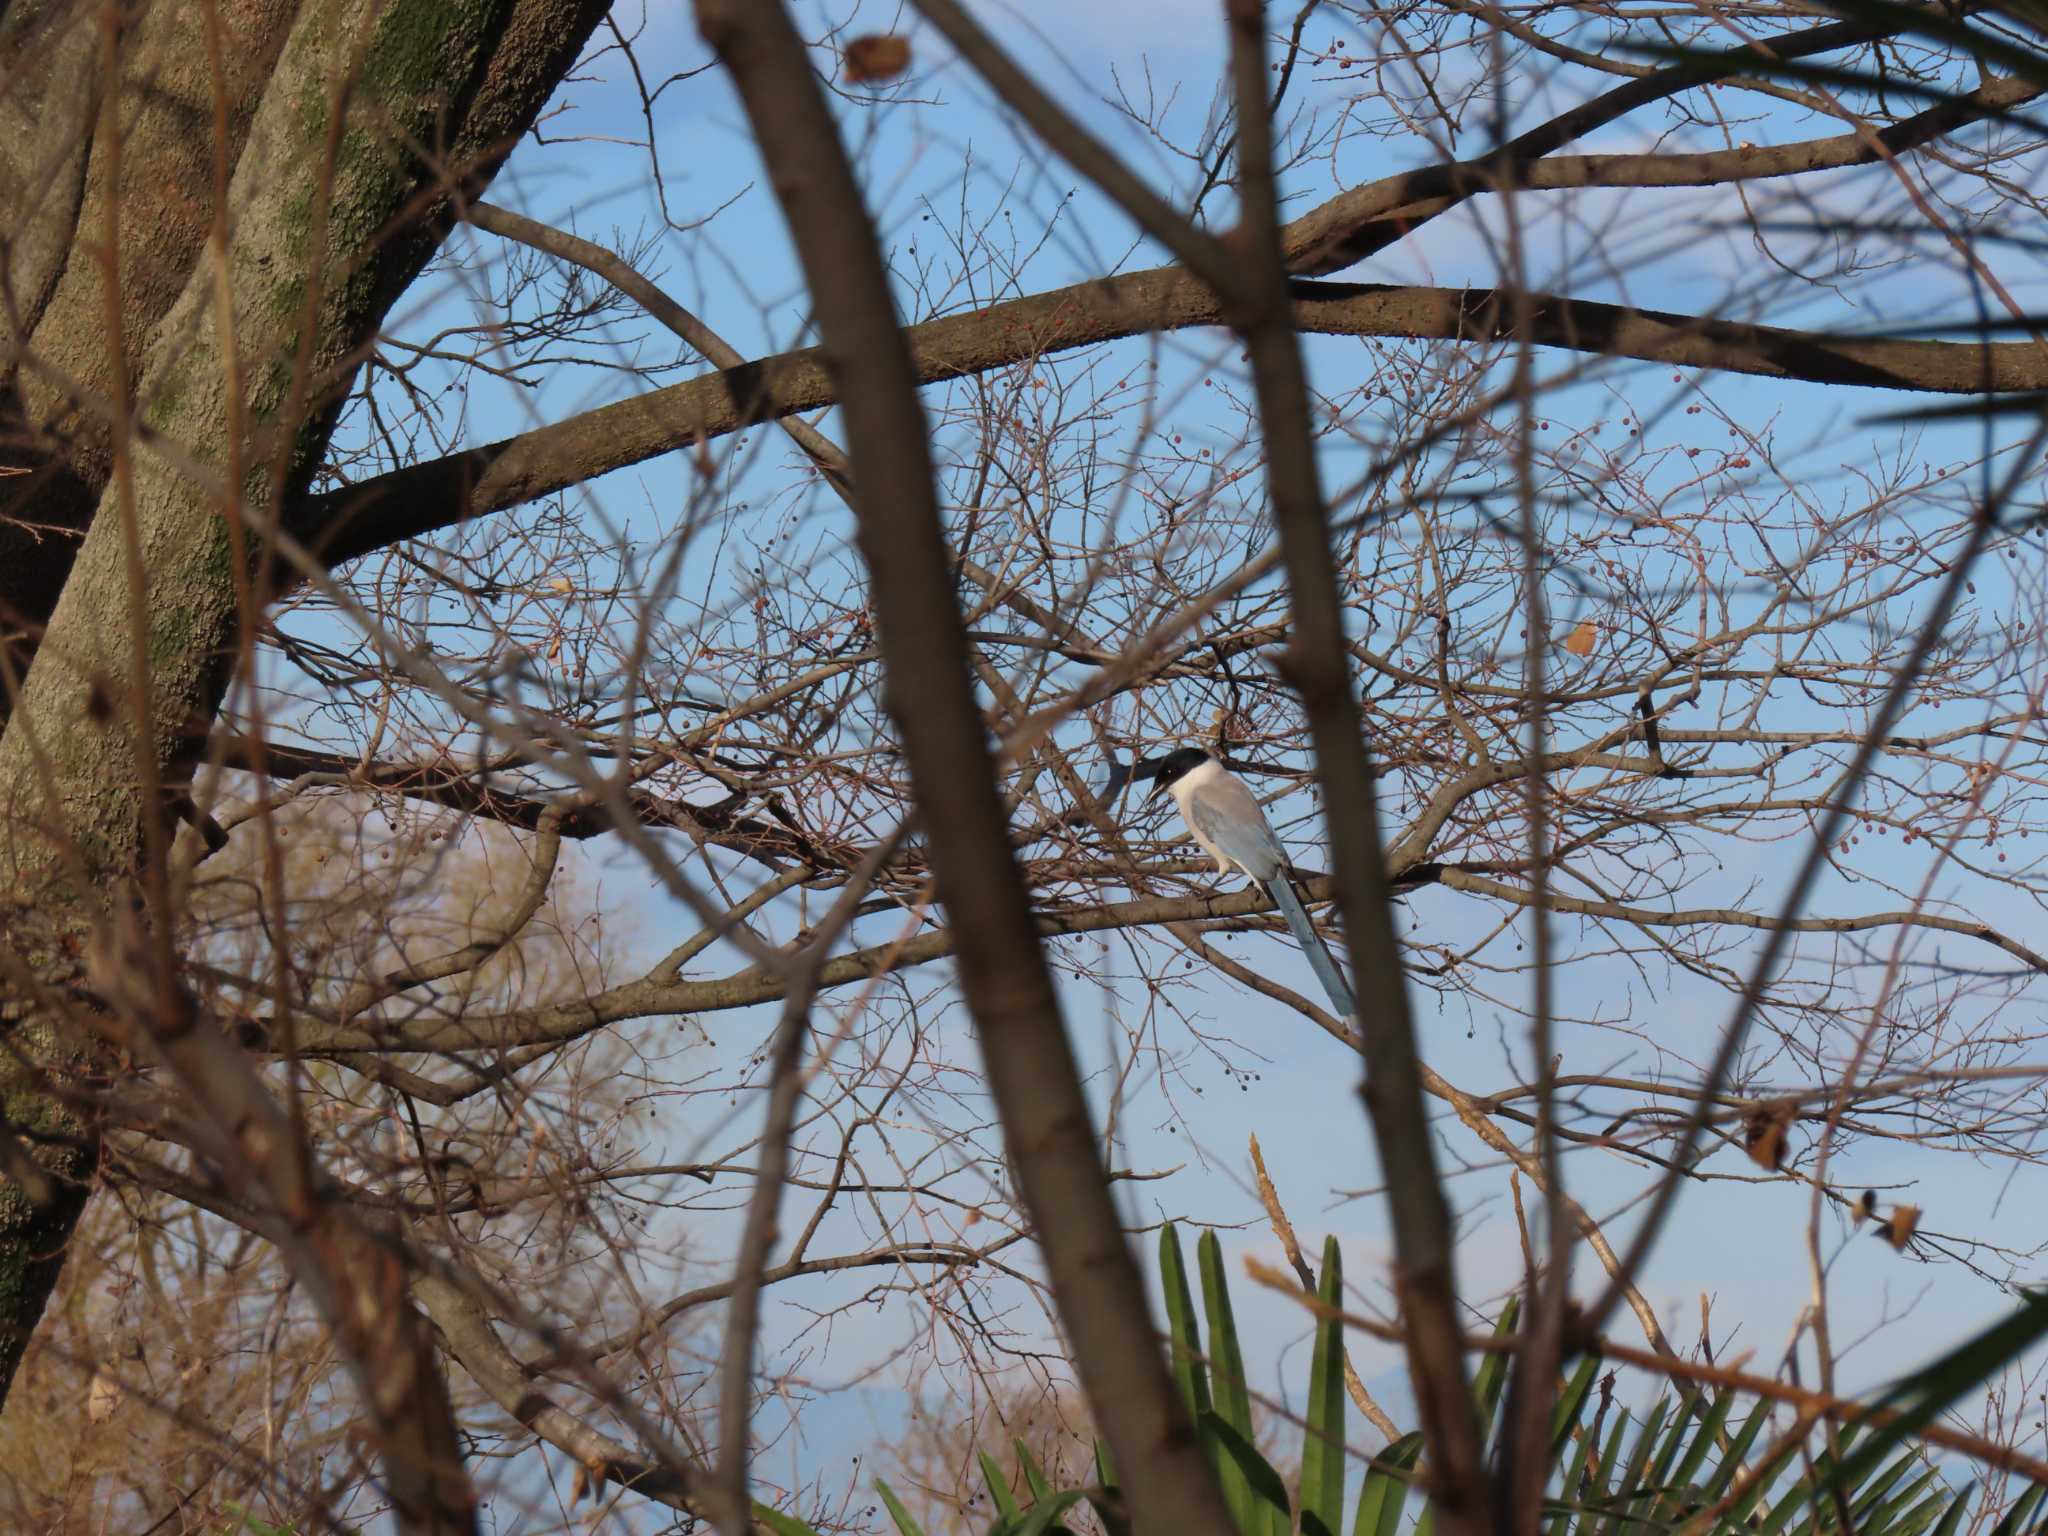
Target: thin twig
{"points": [[1283, 1229], [758, 1236]]}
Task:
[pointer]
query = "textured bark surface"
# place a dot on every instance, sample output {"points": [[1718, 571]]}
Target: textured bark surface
{"points": [[314, 265], [58, 182], [45, 134], [56, 373]]}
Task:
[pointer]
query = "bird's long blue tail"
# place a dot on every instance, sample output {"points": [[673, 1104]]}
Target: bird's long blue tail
{"points": [[1320, 960]]}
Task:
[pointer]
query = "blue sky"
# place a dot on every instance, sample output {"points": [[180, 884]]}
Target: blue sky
{"points": [[1743, 1243]]}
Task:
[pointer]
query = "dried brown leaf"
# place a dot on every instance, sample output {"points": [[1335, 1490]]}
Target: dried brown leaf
{"points": [[878, 56], [1763, 1133]]}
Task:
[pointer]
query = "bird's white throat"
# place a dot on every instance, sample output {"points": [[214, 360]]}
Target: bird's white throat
{"points": [[1207, 771]]}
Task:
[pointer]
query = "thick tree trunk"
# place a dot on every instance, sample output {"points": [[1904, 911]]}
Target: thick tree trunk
{"points": [[57, 178], [314, 264]]}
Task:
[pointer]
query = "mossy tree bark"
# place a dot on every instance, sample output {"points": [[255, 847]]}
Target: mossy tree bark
{"points": [[353, 127]]}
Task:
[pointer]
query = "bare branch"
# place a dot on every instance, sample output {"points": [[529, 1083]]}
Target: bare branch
{"points": [[1003, 974], [1316, 664]]}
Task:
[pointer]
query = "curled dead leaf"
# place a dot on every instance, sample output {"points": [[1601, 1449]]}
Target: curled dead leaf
{"points": [[588, 1478], [878, 56], [1763, 1133], [1898, 1228]]}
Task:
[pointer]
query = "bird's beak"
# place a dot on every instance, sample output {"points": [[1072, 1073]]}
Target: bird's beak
{"points": [[1147, 768]]}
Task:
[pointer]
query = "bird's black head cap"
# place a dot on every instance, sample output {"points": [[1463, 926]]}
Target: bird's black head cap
{"points": [[1176, 765]]}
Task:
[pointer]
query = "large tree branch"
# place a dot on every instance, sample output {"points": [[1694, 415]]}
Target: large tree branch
{"points": [[1358, 222], [656, 995], [1731, 917], [1004, 976], [422, 498], [449, 784], [1748, 162]]}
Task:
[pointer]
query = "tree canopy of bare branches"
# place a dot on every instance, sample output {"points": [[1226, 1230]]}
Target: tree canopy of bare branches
{"points": [[589, 590]]}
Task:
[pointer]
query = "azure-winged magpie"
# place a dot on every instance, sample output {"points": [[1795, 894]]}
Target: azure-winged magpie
{"points": [[1225, 818]]}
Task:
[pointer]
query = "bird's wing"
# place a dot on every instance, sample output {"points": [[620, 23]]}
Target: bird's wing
{"points": [[1225, 816]]}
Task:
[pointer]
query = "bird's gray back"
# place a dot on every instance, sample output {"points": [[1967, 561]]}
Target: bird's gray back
{"points": [[1223, 812]]}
